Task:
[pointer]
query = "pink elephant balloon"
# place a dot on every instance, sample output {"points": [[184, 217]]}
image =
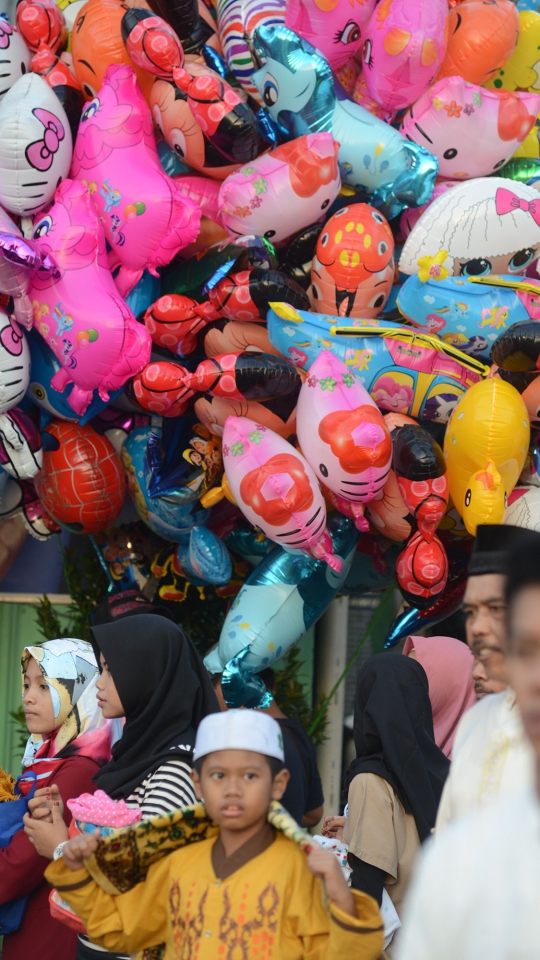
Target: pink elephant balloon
{"points": [[342, 432], [335, 27], [276, 489], [404, 47], [472, 131], [147, 219], [282, 191], [77, 309]]}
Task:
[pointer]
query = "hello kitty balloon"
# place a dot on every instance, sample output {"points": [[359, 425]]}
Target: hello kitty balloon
{"points": [[276, 489], [147, 219], [342, 432], [14, 54], [404, 46], [335, 27], [453, 115], [35, 145], [78, 310], [14, 363]]}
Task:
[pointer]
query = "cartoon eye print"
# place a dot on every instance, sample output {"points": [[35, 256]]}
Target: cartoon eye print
{"points": [[521, 259], [367, 54], [475, 268], [177, 140], [349, 34], [450, 154], [468, 498], [90, 110], [43, 227], [377, 216], [324, 239], [270, 90]]}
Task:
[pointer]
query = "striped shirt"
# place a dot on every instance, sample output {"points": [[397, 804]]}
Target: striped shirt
{"points": [[167, 788]]}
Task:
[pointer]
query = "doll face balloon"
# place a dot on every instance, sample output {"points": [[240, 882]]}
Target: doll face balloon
{"points": [[343, 434], [453, 114], [403, 49], [35, 147], [146, 218], [282, 191], [335, 27], [483, 226], [78, 311], [276, 488], [14, 54], [353, 268]]}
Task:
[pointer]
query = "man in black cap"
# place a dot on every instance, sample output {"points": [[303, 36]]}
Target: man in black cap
{"points": [[490, 756]]}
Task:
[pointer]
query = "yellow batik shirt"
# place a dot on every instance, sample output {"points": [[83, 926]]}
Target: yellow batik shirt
{"points": [[261, 903]]}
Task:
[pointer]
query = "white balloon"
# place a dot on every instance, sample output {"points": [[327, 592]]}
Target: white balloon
{"points": [[14, 363], [35, 145], [14, 57]]}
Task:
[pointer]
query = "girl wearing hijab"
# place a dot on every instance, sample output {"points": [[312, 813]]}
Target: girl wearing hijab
{"points": [[69, 742], [152, 675], [448, 664], [395, 782]]}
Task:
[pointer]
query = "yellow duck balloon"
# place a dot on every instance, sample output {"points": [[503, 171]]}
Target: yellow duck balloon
{"points": [[485, 447]]}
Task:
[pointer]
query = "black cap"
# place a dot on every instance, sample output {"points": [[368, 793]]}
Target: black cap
{"points": [[493, 543]]}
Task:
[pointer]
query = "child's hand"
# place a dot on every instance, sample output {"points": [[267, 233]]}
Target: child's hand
{"points": [[80, 848], [333, 827], [44, 835], [325, 866], [41, 804]]}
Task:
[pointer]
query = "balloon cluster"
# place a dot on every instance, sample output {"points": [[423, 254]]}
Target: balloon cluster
{"points": [[269, 297]]}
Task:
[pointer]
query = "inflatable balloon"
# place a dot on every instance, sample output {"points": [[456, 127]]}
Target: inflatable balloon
{"points": [[15, 56], [353, 267], [184, 460], [62, 81], [522, 70], [483, 226], [145, 217], [404, 371], [422, 570], [82, 484], [404, 46], [297, 87], [244, 376], [187, 19], [278, 415], [18, 257], [143, 294], [151, 42], [296, 257], [342, 433], [276, 489], [282, 191], [411, 216], [174, 321], [14, 363], [21, 454], [336, 29], [523, 508], [466, 314], [35, 147], [281, 599], [19, 498], [170, 520], [245, 295], [204, 557], [97, 42], [191, 277], [452, 114], [485, 447], [518, 348], [388, 515], [160, 388], [78, 311], [481, 38], [236, 337], [237, 21], [41, 23]]}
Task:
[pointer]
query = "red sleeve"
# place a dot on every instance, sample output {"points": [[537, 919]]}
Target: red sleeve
{"points": [[21, 867]]}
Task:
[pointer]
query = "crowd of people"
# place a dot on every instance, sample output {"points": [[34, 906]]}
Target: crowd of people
{"points": [[436, 853]]}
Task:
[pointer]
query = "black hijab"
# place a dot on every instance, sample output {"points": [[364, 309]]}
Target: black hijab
{"points": [[165, 691], [393, 735]]}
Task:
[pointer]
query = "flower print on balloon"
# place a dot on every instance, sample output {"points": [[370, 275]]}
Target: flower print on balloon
{"points": [[485, 226], [276, 489]]}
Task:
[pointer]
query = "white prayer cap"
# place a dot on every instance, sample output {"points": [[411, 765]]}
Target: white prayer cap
{"points": [[239, 730]]}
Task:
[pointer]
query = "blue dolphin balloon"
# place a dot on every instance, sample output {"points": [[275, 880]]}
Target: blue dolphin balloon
{"points": [[301, 93], [281, 599]]}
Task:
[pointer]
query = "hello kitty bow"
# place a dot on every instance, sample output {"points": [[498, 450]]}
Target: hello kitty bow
{"points": [[40, 154], [507, 202]]}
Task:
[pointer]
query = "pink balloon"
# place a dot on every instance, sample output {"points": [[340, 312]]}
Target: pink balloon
{"points": [[411, 215], [202, 190], [404, 47], [80, 297], [282, 191], [335, 27], [342, 433], [471, 130], [276, 489], [147, 219]]}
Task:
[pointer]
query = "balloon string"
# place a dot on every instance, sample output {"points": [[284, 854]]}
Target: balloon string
{"points": [[321, 712]]}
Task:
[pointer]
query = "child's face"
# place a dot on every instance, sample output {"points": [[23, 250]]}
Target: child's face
{"points": [[107, 694], [37, 700], [237, 787]]}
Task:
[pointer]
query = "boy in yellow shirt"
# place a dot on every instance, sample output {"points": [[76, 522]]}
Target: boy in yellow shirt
{"points": [[248, 894]]}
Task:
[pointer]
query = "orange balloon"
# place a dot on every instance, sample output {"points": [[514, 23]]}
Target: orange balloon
{"points": [[482, 37], [96, 42]]}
